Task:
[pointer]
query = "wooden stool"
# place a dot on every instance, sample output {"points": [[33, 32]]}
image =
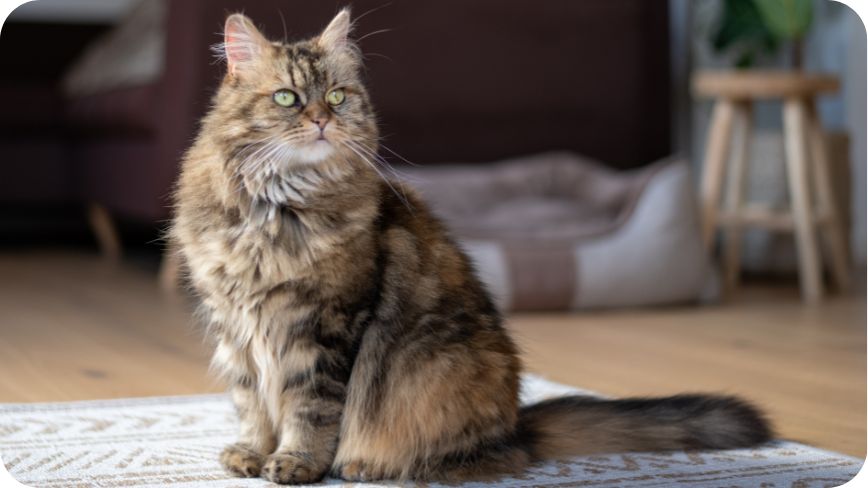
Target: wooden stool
{"points": [[812, 205]]}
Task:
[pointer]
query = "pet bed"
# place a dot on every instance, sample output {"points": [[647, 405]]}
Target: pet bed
{"points": [[557, 231]]}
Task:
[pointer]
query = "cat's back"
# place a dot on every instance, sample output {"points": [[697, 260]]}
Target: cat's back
{"points": [[429, 262]]}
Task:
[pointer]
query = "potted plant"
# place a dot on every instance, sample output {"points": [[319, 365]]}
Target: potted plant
{"points": [[753, 29]]}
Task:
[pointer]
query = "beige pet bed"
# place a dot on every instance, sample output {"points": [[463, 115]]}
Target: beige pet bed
{"points": [[556, 231]]}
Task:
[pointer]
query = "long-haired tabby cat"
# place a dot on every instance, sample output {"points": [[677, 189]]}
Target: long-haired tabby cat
{"points": [[355, 337]]}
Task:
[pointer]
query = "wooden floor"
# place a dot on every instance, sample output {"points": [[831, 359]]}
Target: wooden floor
{"points": [[72, 327]]}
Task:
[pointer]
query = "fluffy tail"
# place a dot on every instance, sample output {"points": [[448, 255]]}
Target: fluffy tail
{"points": [[576, 426]]}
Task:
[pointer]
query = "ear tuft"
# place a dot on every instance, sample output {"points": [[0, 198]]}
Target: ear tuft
{"points": [[336, 36], [242, 42]]}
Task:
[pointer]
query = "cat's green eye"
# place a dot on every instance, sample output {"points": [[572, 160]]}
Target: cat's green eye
{"points": [[335, 97], [285, 98]]}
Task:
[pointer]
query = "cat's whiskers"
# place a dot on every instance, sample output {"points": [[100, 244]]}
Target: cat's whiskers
{"points": [[251, 168], [364, 14], [375, 158], [256, 150], [379, 55], [403, 198], [402, 158], [250, 171], [369, 34], [385, 164], [251, 147], [265, 174], [265, 151]]}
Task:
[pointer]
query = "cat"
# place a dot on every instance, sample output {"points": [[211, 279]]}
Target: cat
{"points": [[352, 332]]}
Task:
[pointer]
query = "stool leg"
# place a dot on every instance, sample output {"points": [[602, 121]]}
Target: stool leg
{"points": [[716, 153], [795, 132], [735, 195], [834, 233], [103, 227]]}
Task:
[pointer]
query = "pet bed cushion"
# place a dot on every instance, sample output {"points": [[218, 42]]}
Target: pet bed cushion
{"points": [[558, 231]]}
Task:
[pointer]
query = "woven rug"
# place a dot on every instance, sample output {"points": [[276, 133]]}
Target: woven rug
{"points": [[174, 441]]}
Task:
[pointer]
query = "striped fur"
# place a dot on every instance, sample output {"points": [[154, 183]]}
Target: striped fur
{"points": [[352, 332]]}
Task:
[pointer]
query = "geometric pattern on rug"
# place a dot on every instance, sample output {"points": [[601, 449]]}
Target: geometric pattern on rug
{"points": [[175, 441]]}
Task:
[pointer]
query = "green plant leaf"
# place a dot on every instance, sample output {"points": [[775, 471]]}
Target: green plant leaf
{"points": [[743, 33], [786, 19]]}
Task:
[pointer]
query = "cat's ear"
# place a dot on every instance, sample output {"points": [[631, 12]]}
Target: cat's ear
{"points": [[243, 44], [335, 37]]}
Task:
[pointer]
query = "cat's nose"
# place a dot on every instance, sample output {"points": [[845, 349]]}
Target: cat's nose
{"points": [[318, 116]]}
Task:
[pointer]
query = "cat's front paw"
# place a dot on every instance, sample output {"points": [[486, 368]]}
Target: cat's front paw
{"points": [[241, 460], [291, 468]]}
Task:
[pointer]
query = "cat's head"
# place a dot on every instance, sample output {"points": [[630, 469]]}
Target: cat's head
{"points": [[285, 106]]}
